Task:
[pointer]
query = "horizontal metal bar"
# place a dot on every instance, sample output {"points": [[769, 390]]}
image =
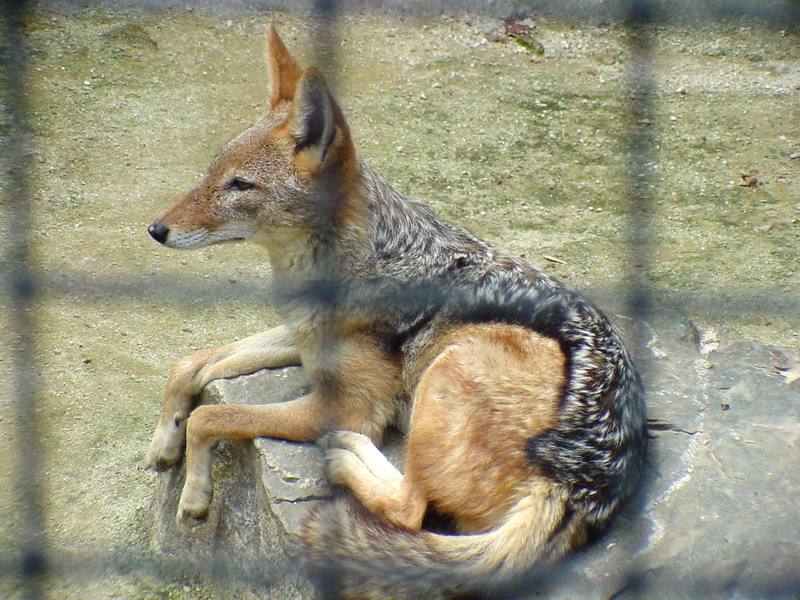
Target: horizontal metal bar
{"points": [[775, 13], [97, 564], [762, 300]]}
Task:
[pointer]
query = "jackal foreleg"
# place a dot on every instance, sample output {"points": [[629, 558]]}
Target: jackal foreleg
{"points": [[300, 420], [357, 389], [270, 349]]}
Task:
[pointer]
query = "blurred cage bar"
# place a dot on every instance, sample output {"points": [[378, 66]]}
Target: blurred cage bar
{"points": [[30, 562]]}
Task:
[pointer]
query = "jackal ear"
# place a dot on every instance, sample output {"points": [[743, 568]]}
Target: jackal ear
{"points": [[283, 69], [315, 115]]}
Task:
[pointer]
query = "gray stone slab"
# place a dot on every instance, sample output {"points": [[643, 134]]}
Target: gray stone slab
{"points": [[291, 473], [244, 542]]}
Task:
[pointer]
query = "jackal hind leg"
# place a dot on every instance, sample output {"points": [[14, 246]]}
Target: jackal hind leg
{"points": [[188, 376], [364, 450], [354, 462]]}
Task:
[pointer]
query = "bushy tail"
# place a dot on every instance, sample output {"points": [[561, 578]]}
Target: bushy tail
{"points": [[355, 555]]}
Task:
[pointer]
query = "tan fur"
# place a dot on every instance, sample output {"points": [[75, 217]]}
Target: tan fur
{"points": [[487, 390], [479, 391]]}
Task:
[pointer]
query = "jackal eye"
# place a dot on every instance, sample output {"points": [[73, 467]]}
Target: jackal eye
{"points": [[240, 185]]}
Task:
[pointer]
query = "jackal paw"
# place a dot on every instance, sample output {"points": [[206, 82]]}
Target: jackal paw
{"points": [[348, 440], [340, 465], [195, 501], [341, 454], [338, 454], [166, 446]]}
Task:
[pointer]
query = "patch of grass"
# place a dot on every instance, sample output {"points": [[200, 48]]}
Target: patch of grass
{"points": [[540, 106]]}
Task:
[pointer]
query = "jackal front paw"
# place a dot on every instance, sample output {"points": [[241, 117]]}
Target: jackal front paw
{"points": [[166, 446], [195, 501]]}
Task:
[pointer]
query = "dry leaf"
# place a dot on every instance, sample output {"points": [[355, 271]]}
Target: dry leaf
{"points": [[514, 29], [748, 180]]}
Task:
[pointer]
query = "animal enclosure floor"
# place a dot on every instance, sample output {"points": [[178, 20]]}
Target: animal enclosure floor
{"points": [[128, 107]]}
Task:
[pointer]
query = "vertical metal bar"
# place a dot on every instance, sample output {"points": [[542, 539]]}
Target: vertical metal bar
{"points": [[325, 53], [326, 12], [328, 287], [21, 288], [640, 149], [641, 159]]}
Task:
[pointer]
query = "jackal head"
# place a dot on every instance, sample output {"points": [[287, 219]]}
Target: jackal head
{"points": [[284, 173]]}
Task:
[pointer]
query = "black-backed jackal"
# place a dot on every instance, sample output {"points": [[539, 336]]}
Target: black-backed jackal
{"points": [[527, 420]]}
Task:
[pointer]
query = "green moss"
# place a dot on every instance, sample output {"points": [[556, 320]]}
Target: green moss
{"points": [[531, 45]]}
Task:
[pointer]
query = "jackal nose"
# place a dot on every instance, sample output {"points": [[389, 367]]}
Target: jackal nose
{"points": [[158, 231]]}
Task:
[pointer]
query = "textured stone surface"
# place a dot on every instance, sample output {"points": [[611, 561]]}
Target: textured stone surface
{"points": [[717, 515], [291, 472]]}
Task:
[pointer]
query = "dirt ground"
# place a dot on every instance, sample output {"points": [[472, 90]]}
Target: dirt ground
{"points": [[524, 150]]}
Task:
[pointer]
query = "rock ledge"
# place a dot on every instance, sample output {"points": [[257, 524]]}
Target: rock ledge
{"points": [[717, 513]]}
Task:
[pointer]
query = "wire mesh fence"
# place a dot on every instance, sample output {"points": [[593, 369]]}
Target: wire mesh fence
{"points": [[30, 562]]}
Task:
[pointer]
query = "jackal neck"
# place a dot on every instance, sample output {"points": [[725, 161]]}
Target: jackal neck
{"points": [[408, 240], [369, 230], [333, 245], [290, 252]]}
